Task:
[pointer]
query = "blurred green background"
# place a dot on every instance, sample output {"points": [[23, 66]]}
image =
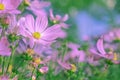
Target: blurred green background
{"points": [[99, 12]]}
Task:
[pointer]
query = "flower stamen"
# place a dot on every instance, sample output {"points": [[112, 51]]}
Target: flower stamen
{"points": [[27, 2], [36, 35], [30, 51], [2, 7], [73, 68], [115, 58]]}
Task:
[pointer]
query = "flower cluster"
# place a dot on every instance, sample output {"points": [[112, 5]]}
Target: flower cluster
{"points": [[34, 45]]}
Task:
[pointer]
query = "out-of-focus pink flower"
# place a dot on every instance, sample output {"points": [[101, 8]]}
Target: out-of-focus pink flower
{"points": [[60, 21], [57, 19], [75, 53], [44, 69], [64, 65], [38, 6], [62, 34], [4, 47], [93, 59], [67, 66], [13, 25], [112, 35], [103, 54], [38, 30], [4, 78], [9, 6]]}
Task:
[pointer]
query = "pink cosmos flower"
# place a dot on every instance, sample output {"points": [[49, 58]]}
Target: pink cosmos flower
{"points": [[38, 30], [75, 53], [103, 54], [60, 21], [4, 47], [91, 60], [57, 19], [9, 6]]}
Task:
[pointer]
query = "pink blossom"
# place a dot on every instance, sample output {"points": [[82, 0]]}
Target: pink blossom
{"points": [[4, 47], [9, 6], [112, 35], [38, 30], [57, 19], [75, 53], [44, 69], [64, 65], [103, 54], [4, 78]]}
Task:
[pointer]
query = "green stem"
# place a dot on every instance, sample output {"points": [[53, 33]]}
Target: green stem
{"points": [[33, 72], [10, 59], [64, 50], [3, 62]]}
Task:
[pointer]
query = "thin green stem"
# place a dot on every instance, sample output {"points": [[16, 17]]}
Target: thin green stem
{"points": [[64, 50], [3, 62], [33, 72], [10, 59]]}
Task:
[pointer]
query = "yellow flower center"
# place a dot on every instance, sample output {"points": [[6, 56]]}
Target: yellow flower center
{"points": [[36, 35], [37, 61], [73, 68], [115, 58], [55, 21], [27, 2], [30, 51], [10, 68], [2, 7]]}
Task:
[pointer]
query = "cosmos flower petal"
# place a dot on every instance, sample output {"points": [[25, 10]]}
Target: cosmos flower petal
{"points": [[64, 64], [58, 17], [41, 23], [81, 56], [51, 33], [64, 25], [38, 5], [65, 18], [96, 53], [7, 4], [38, 12], [4, 47], [51, 15], [100, 46], [29, 24], [46, 42], [14, 11], [16, 3], [22, 30]]}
